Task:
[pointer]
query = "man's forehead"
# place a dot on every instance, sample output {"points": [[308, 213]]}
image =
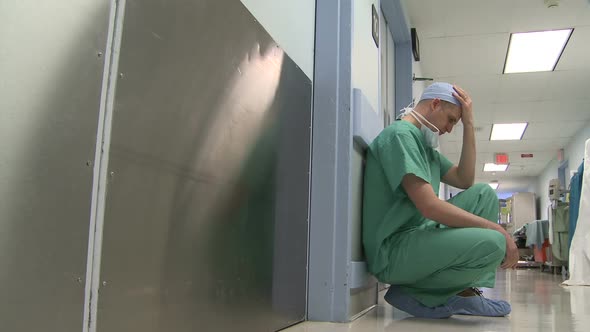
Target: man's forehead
{"points": [[457, 111]]}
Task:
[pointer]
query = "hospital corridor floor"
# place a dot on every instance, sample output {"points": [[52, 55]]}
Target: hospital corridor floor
{"points": [[539, 303]]}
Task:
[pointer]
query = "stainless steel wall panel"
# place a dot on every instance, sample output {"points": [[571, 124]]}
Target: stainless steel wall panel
{"points": [[206, 215], [51, 66]]}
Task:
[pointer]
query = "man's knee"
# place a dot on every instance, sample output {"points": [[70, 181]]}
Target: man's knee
{"points": [[485, 191], [496, 244], [486, 195]]}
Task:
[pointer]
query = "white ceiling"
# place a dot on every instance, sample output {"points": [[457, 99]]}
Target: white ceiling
{"points": [[465, 42]]}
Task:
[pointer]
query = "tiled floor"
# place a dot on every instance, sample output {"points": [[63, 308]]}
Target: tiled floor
{"points": [[539, 303]]}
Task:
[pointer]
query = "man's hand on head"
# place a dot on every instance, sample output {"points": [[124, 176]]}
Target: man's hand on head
{"points": [[466, 105]]}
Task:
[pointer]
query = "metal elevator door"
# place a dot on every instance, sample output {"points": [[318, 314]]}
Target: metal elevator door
{"points": [[206, 212]]}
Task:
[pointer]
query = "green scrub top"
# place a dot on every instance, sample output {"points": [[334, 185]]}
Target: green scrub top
{"points": [[399, 149]]}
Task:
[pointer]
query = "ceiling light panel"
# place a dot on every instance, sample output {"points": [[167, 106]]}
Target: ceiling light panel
{"points": [[508, 131], [491, 167], [535, 51]]}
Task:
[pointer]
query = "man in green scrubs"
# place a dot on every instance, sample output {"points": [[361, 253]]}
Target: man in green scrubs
{"points": [[433, 252]]}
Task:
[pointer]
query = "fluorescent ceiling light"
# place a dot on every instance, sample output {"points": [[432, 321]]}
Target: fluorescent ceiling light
{"points": [[491, 167], [508, 131], [494, 185], [535, 51]]}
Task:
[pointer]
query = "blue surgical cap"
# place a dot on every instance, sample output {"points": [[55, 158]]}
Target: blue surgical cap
{"points": [[441, 90]]}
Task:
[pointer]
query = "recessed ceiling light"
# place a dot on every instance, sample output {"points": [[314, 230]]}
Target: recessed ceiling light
{"points": [[494, 185], [535, 51], [508, 131], [491, 167]]}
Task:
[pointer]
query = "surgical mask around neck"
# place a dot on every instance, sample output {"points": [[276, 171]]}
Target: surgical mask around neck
{"points": [[406, 110], [431, 137]]}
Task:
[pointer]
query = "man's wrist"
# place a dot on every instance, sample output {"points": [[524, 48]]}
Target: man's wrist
{"points": [[500, 229]]}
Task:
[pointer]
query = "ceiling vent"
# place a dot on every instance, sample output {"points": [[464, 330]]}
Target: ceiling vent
{"points": [[552, 3]]}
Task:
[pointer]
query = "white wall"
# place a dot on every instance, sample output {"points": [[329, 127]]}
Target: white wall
{"points": [[291, 23], [550, 172], [365, 54], [574, 153], [418, 86]]}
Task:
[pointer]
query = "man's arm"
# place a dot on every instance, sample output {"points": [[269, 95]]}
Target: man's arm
{"points": [[431, 207], [463, 176]]}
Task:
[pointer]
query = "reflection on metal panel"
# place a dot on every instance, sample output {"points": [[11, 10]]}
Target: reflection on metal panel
{"points": [[206, 217], [365, 297], [51, 65], [358, 170], [362, 299]]}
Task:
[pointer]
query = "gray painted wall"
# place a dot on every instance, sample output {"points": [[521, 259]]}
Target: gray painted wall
{"points": [[336, 164]]}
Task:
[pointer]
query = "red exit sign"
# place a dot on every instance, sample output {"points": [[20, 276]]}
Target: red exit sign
{"points": [[501, 159], [526, 155]]}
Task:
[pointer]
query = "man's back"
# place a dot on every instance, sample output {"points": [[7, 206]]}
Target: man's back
{"points": [[397, 151]]}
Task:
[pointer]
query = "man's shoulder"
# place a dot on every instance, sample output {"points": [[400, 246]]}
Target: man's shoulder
{"points": [[402, 130]]}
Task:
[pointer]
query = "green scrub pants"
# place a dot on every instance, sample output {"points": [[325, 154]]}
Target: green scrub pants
{"points": [[433, 262]]}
